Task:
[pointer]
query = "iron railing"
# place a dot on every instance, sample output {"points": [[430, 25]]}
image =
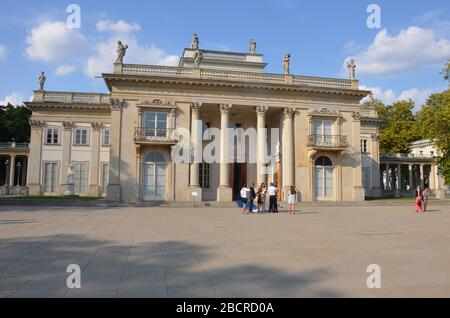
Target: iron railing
{"points": [[154, 135], [327, 141]]}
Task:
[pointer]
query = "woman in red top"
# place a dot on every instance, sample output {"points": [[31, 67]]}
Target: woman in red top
{"points": [[418, 200]]}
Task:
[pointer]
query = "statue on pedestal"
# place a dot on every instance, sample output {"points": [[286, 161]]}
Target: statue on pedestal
{"points": [[252, 46], [121, 50], [42, 80], [69, 187], [195, 42], [286, 61], [351, 66], [198, 56]]}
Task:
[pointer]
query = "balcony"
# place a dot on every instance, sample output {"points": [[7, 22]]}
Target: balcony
{"points": [[328, 142], [155, 136]]}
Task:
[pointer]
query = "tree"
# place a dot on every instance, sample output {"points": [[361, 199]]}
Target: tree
{"points": [[14, 123], [398, 128], [446, 71], [434, 123]]}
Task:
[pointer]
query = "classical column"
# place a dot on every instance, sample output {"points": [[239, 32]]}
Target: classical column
{"points": [[410, 170], [24, 171], [35, 160], [261, 146], [94, 187], [66, 144], [288, 155], [398, 182], [196, 142], [114, 187], [421, 176], [224, 192], [432, 176], [12, 169], [358, 189]]}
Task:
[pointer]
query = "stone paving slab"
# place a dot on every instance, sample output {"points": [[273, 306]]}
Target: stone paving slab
{"points": [[217, 252]]}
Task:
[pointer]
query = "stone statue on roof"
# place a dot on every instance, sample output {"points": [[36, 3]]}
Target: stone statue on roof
{"points": [[351, 66], [198, 57], [286, 62], [121, 50], [252, 46], [42, 80], [195, 42]]}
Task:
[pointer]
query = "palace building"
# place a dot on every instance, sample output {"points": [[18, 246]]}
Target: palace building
{"points": [[120, 143]]}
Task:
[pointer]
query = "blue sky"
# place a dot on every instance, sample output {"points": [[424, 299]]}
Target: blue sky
{"points": [[402, 59]]}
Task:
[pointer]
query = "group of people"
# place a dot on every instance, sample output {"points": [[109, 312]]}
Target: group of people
{"points": [[422, 199], [249, 194]]}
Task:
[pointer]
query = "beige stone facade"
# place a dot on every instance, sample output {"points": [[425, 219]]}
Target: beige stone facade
{"points": [[320, 122]]}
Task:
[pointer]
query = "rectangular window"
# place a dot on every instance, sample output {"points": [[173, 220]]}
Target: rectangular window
{"points": [[50, 177], [364, 146], [155, 124], [204, 173], [105, 141], [81, 136], [80, 177], [52, 136], [105, 177]]}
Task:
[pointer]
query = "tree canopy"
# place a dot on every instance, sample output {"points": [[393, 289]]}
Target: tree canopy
{"points": [[14, 125]]}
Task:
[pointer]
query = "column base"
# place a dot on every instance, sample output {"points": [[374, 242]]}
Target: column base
{"points": [[440, 194], [224, 194], [113, 192], [95, 191], [198, 191], [34, 189], [358, 194]]}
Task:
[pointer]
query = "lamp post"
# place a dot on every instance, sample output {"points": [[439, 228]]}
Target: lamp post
{"points": [[6, 172], [19, 166]]}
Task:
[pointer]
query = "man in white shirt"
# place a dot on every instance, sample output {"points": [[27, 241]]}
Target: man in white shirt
{"points": [[244, 197], [272, 190]]}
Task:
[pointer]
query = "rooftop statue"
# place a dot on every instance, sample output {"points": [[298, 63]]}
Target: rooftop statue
{"points": [[121, 50], [351, 66], [252, 47], [195, 42], [286, 61], [198, 56], [42, 80]]}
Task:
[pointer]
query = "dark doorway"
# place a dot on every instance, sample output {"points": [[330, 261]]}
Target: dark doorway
{"points": [[239, 174]]}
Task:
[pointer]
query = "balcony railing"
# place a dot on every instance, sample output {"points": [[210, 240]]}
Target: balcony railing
{"points": [[154, 135], [10, 145], [327, 141], [270, 78], [70, 97]]}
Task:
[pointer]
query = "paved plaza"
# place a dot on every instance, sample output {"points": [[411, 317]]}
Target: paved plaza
{"points": [[217, 252]]}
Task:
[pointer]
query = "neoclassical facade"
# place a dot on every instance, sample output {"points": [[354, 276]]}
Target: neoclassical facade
{"points": [[121, 143]]}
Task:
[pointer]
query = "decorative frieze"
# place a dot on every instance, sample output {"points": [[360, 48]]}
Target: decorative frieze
{"points": [[324, 112], [36, 124]]}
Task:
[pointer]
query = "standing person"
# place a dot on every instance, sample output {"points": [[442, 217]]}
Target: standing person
{"points": [[251, 197], [244, 195], [418, 200], [259, 199], [263, 195], [425, 195], [272, 190], [292, 199]]}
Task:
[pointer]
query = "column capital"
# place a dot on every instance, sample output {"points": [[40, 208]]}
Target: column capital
{"points": [[116, 104], [261, 110], [195, 107], [225, 108], [12, 155], [288, 112], [36, 124], [356, 116], [67, 125], [96, 126]]}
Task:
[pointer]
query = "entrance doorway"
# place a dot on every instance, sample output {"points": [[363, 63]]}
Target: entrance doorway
{"points": [[154, 177], [239, 175], [323, 179]]}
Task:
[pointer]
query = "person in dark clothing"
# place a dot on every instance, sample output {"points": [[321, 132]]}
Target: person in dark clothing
{"points": [[251, 198]]}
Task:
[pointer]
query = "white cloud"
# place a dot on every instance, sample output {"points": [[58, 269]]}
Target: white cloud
{"points": [[2, 51], [418, 95], [65, 70], [105, 54], [119, 27], [15, 98], [412, 48], [53, 41]]}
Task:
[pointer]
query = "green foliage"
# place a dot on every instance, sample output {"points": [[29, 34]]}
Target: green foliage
{"points": [[398, 128], [446, 71], [14, 123], [434, 120]]}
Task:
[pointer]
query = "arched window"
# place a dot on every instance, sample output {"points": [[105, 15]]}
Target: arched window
{"points": [[323, 161], [155, 156]]}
